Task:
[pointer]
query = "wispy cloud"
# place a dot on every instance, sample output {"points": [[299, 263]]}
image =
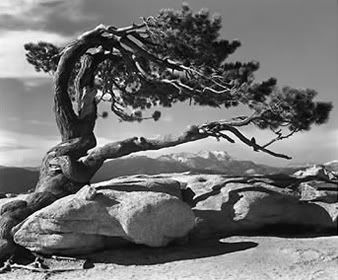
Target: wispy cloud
{"points": [[31, 121], [19, 149], [12, 53], [39, 122], [5, 147], [33, 82], [39, 14]]}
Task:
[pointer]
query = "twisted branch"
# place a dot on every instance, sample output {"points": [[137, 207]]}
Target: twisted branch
{"points": [[193, 133]]}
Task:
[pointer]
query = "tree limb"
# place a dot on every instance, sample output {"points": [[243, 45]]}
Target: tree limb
{"points": [[194, 133], [280, 136]]}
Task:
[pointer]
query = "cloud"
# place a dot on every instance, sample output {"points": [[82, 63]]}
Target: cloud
{"points": [[5, 147], [39, 123], [43, 15], [27, 106], [20, 149], [12, 53], [33, 82], [31, 122]]}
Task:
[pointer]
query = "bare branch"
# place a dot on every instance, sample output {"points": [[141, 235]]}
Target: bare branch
{"points": [[141, 52], [194, 133], [124, 30], [136, 144], [280, 136], [249, 142]]}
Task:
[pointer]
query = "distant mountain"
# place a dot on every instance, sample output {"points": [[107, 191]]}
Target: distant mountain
{"points": [[202, 162], [18, 180], [332, 166], [136, 165]]}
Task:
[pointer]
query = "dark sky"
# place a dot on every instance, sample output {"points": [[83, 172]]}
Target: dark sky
{"points": [[294, 41]]}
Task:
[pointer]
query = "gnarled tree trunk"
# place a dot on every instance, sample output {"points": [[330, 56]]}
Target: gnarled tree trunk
{"points": [[69, 166], [61, 172]]}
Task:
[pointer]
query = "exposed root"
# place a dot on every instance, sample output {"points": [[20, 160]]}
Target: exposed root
{"points": [[38, 265]]}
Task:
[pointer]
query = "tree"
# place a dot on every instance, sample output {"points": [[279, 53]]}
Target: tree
{"points": [[176, 56]]}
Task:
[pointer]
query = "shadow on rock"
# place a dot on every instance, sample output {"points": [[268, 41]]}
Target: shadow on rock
{"points": [[141, 255]]}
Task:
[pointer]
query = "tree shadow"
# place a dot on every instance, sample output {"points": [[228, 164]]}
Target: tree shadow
{"points": [[293, 231], [142, 255]]}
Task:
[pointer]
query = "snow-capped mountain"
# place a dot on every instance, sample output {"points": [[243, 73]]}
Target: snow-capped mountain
{"points": [[22, 179], [217, 162], [203, 160], [332, 166]]}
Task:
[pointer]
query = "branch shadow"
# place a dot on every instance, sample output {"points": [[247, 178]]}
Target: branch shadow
{"points": [[278, 180], [142, 255]]}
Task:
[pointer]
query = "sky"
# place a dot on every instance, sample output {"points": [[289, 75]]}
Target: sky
{"points": [[294, 41]]}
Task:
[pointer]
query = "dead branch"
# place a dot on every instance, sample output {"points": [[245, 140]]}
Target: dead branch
{"points": [[280, 136], [194, 133]]}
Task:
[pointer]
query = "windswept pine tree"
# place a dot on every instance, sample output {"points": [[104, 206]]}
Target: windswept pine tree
{"points": [[176, 56]]}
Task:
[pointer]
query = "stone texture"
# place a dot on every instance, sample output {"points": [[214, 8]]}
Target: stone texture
{"points": [[318, 171], [143, 183], [319, 191], [5, 200], [148, 210], [258, 207], [93, 218], [227, 206], [155, 221], [12, 206], [38, 200]]}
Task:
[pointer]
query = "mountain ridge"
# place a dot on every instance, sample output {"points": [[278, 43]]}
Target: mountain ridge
{"points": [[19, 180]]}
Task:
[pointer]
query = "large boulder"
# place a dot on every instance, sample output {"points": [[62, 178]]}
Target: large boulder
{"points": [[153, 183], [226, 206], [262, 206], [95, 218]]}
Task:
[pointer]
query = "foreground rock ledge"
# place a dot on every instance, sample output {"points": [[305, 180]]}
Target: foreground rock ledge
{"points": [[95, 219], [155, 210]]}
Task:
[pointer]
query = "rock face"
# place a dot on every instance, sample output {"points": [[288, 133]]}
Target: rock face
{"points": [[318, 171], [143, 183], [155, 210], [317, 191], [259, 207], [227, 206], [95, 218]]}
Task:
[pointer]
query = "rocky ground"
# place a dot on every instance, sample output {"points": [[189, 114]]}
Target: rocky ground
{"points": [[215, 226], [237, 257]]}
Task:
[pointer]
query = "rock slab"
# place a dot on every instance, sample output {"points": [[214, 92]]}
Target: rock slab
{"points": [[93, 219]]}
